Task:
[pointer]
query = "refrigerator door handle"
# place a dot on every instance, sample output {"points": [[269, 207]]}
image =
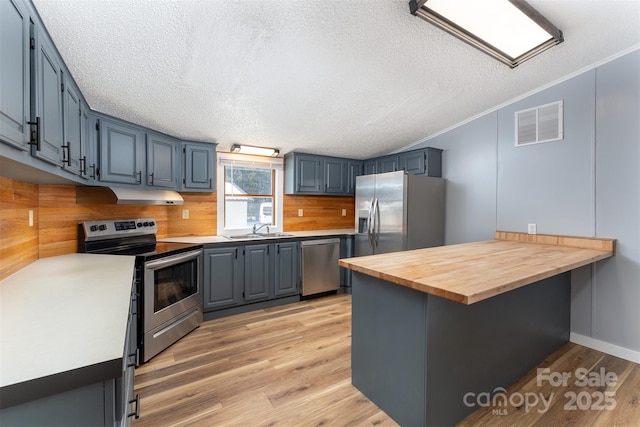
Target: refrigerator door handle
{"points": [[370, 224], [376, 224]]}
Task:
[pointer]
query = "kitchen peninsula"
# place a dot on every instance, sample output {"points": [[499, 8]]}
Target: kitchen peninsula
{"points": [[431, 325]]}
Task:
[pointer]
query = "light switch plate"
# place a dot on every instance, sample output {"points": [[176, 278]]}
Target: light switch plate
{"points": [[30, 218], [532, 229], [185, 213], [300, 212], [344, 212]]}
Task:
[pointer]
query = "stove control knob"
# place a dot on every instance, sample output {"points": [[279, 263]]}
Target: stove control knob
{"points": [[146, 224], [151, 224], [102, 227], [139, 225], [93, 228]]}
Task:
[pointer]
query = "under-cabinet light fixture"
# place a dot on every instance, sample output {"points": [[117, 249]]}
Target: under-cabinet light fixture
{"points": [[511, 31], [256, 151]]}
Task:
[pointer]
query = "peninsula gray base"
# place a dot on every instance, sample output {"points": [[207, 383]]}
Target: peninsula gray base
{"points": [[416, 355]]}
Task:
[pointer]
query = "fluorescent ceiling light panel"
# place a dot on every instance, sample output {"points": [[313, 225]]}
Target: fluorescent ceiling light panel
{"points": [[255, 151], [509, 30]]}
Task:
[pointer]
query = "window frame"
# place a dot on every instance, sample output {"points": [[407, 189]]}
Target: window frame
{"points": [[273, 163]]}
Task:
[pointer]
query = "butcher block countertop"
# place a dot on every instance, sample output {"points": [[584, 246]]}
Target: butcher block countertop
{"points": [[472, 272]]}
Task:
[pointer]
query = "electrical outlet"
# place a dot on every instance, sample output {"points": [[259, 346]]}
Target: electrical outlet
{"points": [[532, 229], [30, 218], [185, 213], [300, 212], [344, 212]]}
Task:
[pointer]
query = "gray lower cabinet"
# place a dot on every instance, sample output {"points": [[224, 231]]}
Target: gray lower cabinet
{"points": [[257, 272], [162, 161], [14, 78], [199, 166], [223, 277], [109, 403], [286, 269], [122, 153], [240, 275], [46, 99]]}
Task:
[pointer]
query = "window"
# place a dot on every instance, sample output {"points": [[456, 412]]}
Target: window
{"points": [[249, 193]]}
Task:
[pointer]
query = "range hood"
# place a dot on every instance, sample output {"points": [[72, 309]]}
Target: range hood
{"points": [[127, 196], [135, 196]]}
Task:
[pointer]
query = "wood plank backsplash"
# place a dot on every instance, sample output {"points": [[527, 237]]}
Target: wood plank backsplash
{"points": [[319, 212], [57, 214], [18, 241]]}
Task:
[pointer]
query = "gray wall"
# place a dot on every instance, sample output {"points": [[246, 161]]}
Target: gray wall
{"points": [[587, 184]]}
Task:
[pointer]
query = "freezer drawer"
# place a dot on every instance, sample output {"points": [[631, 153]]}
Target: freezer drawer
{"points": [[320, 270]]}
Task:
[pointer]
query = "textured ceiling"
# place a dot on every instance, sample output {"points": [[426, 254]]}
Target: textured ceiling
{"points": [[348, 78]]}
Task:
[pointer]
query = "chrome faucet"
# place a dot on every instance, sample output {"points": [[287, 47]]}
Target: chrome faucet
{"points": [[255, 229]]}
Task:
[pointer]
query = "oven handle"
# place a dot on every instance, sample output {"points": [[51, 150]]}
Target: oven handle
{"points": [[172, 260]]}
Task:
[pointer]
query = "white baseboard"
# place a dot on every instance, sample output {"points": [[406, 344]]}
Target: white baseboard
{"points": [[605, 347]]}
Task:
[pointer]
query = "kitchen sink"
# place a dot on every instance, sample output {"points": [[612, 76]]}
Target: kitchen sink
{"points": [[259, 236]]}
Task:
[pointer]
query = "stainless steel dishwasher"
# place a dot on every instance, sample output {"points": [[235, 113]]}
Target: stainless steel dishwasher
{"points": [[320, 270]]}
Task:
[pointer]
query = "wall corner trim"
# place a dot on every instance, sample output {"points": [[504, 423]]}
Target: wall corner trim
{"points": [[605, 347]]}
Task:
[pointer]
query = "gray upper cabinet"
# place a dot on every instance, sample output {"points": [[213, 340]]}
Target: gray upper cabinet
{"points": [[335, 175], [199, 166], [88, 145], [162, 161], [355, 168], [424, 161], [122, 153], [412, 162], [387, 164], [369, 167], [46, 99], [313, 174], [14, 74], [308, 174], [420, 162], [72, 149]]}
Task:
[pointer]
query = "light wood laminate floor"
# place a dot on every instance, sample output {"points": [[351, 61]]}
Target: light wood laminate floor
{"points": [[290, 366]]}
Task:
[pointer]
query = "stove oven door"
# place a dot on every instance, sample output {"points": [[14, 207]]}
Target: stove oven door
{"points": [[171, 295]]}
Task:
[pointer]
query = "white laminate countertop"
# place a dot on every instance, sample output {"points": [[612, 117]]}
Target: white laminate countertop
{"points": [[201, 240], [62, 314]]}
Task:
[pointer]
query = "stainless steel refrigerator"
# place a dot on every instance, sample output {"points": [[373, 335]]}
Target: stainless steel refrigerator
{"points": [[396, 211]]}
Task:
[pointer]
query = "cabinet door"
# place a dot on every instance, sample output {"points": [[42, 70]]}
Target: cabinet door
{"points": [[14, 75], [87, 144], [308, 174], [199, 166], [387, 164], [355, 168], [47, 100], [222, 277], [369, 167], [162, 161], [287, 259], [121, 153], [256, 272], [335, 176], [71, 149], [413, 162]]}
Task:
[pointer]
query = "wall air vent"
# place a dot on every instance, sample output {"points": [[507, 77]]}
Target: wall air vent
{"points": [[539, 124]]}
